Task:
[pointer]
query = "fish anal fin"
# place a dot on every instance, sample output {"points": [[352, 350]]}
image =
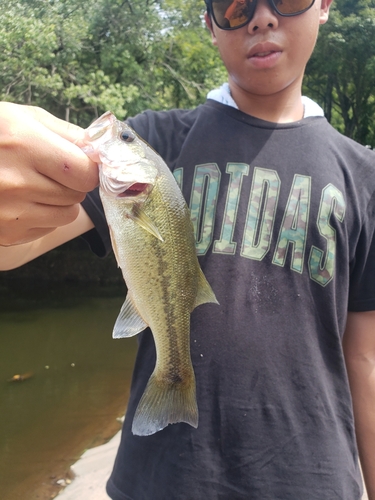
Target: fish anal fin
{"points": [[205, 293], [129, 321], [143, 220], [163, 404]]}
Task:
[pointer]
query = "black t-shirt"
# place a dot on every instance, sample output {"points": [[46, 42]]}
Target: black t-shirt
{"points": [[284, 221]]}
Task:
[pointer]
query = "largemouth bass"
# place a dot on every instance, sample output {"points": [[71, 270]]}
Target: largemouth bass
{"points": [[153, 241]]}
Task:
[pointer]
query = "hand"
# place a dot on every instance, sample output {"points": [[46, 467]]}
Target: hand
{"points": [[43, 175]]}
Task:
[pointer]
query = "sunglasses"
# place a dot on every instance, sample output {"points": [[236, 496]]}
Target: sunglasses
{"points": [[233, 14]]}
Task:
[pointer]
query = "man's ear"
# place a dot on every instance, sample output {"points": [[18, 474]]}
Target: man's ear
{"points": [[324, 11], [209, 25]]}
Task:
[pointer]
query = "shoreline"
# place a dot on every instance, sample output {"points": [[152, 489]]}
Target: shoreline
{"points": [[91, 472], [68, 474]]}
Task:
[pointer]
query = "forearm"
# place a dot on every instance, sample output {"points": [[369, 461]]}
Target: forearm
{"points": [[17, 255], [360, 360], [362, 382]]}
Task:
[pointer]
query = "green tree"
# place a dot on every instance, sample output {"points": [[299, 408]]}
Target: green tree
{"points": [[28, 49], [341, 73], [189, 64], [79, 58]]}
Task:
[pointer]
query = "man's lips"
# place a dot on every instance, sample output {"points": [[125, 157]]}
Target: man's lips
{"points": [[264, 55], [263, 50]]}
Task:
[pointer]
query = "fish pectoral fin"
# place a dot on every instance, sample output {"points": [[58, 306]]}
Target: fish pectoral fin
{"points": [[205, 293], [129, 322], [140, 218]]}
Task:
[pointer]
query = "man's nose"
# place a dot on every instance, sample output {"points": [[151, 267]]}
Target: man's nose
{"points": [[264, 17]]}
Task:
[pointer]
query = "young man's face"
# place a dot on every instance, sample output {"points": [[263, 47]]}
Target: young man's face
{"points": [[269, 54]]}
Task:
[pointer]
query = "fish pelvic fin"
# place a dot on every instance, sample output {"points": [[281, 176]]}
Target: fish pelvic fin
{"points": [[165, 403], [143, 220], [129, 321], [205, 293]]}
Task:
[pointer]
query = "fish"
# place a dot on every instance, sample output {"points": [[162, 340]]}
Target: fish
{"points": [[154, 244]]}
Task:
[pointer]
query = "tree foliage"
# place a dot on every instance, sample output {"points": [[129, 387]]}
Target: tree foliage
{"points": [[341, 73], [79, 58]]}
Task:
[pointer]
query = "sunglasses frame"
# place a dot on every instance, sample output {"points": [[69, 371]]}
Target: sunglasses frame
{"points": [[211, 12]]}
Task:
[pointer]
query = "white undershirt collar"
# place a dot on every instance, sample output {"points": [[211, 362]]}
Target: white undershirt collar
{"points": [[223, 95]]}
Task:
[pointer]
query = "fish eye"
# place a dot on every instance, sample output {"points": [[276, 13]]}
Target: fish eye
{"points": [[127, 136]]}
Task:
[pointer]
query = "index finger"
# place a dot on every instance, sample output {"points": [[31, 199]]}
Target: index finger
{"points": [[68, 131]]}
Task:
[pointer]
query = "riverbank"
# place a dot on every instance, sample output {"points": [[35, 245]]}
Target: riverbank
{"points": [[79, 386], [91, 472], [63, 482]]}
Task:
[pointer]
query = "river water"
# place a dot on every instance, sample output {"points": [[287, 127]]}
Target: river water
{"points": [[78, 385]]}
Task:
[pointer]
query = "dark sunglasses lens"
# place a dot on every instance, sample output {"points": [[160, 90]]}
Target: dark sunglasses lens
{"points": [[232, 14], [292, 7]]}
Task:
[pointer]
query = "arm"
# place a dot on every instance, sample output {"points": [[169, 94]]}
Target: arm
{"points": [[359, 350], [43, 178], [17, 255]]}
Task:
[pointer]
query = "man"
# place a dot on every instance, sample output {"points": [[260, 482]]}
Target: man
{"points": [[283, 208]]}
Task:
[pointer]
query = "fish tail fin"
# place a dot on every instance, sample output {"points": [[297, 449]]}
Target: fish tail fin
{"points": [[205, 293], [165, 403]]}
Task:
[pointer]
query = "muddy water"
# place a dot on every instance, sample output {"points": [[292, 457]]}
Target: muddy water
{"points": [[78, 384]]}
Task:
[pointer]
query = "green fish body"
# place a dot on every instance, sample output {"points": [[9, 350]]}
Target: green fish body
{"points": [[153, 240]]}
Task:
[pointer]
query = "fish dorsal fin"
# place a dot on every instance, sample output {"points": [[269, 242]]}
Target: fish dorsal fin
{"points": [[205, 293], [129, 322], [139, 217]]}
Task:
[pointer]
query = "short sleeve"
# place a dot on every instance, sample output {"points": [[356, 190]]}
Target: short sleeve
{"points": [[362, 277], [98, 238]]}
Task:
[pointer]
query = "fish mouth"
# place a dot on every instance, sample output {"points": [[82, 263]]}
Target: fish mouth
{"points": [[127, 185], [135, 190], [124, 190]]}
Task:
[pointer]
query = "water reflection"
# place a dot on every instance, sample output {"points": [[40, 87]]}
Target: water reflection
{"points": [[79, 386]]}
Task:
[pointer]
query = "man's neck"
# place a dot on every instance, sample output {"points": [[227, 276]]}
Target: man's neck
{"points": [[283, 107]]}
